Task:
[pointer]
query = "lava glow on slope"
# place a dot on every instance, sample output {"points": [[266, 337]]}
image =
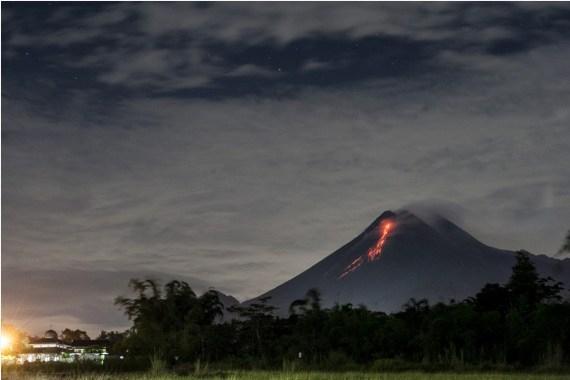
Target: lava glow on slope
{"points": [[373, 253]]}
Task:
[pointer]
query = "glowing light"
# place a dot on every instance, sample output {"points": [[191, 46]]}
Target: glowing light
{"points": [[5, 342], [374, 252], [352, 266]]}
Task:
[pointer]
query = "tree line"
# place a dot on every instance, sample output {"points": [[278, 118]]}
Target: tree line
{"points": [[525, 322]]}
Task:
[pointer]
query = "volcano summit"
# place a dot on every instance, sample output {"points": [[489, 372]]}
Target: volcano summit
{"points": [[401, 256]]}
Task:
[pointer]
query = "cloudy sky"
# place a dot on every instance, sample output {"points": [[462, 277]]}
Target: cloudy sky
{"points": [[234, 145]]}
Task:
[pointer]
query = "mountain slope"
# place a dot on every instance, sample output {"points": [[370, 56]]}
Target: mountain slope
{"points": [[400, 256]]}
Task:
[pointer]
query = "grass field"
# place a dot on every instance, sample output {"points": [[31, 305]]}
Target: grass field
{"points": [[260, 375]]}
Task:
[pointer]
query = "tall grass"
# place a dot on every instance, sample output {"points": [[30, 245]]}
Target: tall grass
{"points": [[157, 364], [266, 375]]}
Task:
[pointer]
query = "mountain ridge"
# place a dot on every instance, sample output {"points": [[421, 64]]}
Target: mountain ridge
{"points": [[401, 256]]}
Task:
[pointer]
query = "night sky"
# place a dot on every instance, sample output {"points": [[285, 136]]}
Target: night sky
{"points": [[234, 145]]}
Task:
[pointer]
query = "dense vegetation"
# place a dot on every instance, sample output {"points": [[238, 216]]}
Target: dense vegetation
{"points": [[522, 323], [263, 375]]}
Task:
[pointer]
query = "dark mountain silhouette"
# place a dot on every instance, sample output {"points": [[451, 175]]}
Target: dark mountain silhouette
{"points": [[227, 301], [400, 256]]}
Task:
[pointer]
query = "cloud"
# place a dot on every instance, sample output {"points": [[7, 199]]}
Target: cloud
{"points": [[249, 70], [284, 23], [203, 176], [173, 47], [243, 192], [312, 65]]}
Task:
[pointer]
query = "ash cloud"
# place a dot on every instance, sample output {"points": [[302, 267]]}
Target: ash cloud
{"points": [[432, 210]]}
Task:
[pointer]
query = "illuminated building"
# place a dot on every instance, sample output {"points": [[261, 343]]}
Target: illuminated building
{"points": [[51, 349]]}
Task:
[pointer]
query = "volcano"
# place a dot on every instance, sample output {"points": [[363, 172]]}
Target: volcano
{"points": [[401, 256]]}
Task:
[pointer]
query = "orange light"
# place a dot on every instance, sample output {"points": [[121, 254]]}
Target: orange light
{"points": [[352, 266], [5, 342], [373, 253], [376, 251]]}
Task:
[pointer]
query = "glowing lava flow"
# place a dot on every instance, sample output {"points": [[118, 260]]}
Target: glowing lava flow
{"points": [[373, 253], [376, 251], [352, 266]]}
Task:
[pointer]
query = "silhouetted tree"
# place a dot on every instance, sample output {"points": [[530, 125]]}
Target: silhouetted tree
{"points": [[68, 335], [257, 322], [116, 341], [173, 323], [523, 322], [492, 297], [310, 325], [526, 288]]}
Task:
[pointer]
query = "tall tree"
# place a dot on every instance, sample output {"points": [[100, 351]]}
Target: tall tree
{"points": [[172, 322], [525, 286], [116, 341], [257, 321], [70, 336]]}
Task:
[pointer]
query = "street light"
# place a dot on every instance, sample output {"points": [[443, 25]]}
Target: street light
{"points": [[5, 342]]}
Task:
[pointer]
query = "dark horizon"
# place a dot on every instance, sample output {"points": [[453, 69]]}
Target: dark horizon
{"points": [[235, 145]]}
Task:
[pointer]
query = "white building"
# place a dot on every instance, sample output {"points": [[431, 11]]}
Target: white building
{"points": [[51, 349]]}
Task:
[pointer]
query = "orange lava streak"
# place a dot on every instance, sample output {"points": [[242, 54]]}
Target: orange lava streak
{"points": [[373, 253], [352, 267], [376, 251]]}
